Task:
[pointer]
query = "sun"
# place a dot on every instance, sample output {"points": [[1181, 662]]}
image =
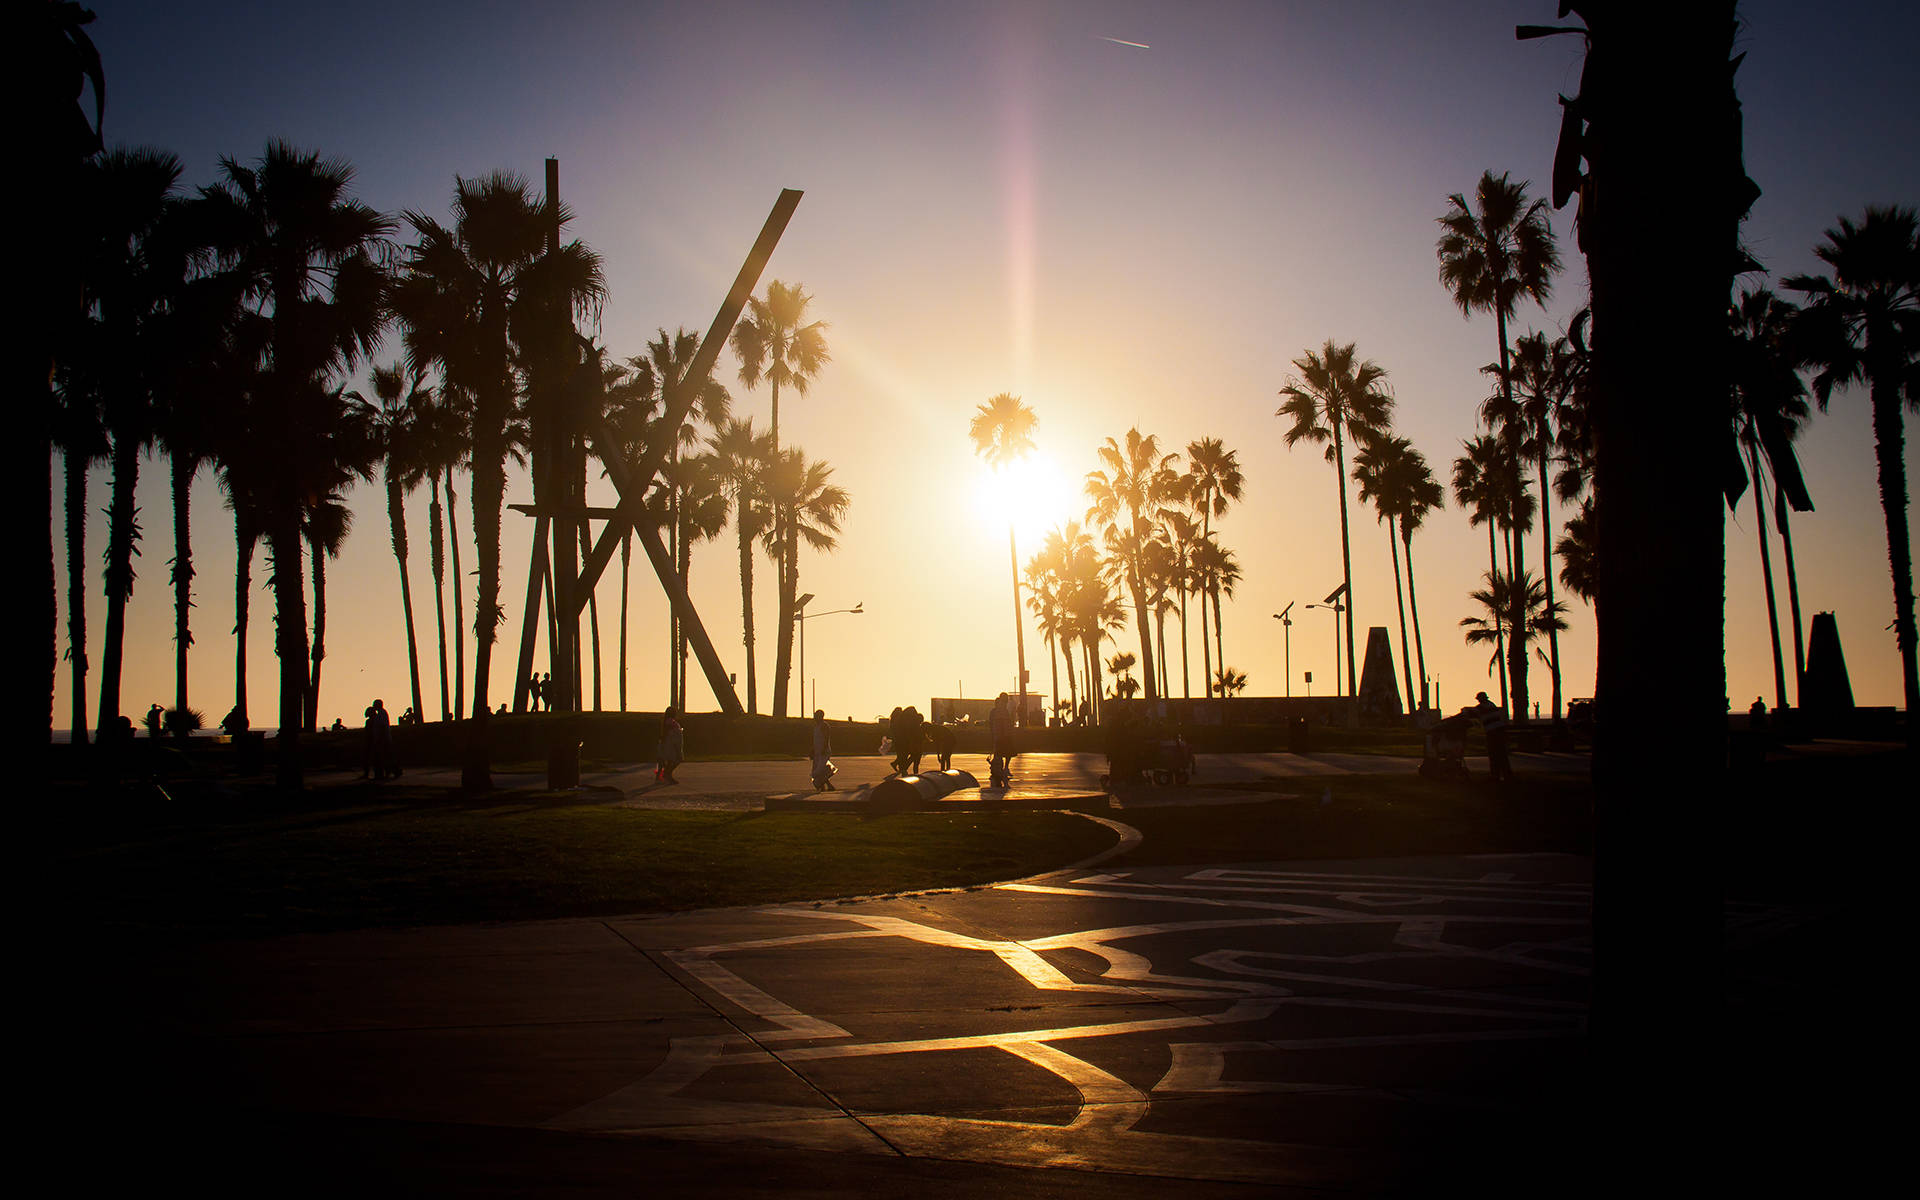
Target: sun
{"points": [[1034, 494]]}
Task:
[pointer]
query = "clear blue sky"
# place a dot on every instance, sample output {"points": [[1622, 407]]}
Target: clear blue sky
{"points": [[998, 199]]}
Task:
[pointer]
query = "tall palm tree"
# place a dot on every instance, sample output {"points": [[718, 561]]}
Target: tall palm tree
{"points": [[1483, 485], [1862, 325], [1377, 468], [1332, 399], [303, 256], [703, 504], [1067, 557], [1182, 533], [742, 460], [459, 291], [1043, 600], [1096, 615], [1578, 560], [774, 339], [1002, 433], [1419, 494], [441, 445], [1519, 602], [1541, 379], [325, 527], [134, 265], [1219, 572], [393, 419], [82, 441], [1494, 253], [1214, 484], [1134, 486]]}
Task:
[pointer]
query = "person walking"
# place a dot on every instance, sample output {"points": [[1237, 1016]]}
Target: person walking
{"points": [[1494, 721], [1000, 767], [672, 746], [821, 755]]}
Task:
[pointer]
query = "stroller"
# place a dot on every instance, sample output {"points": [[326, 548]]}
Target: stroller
{"points": [[1165, 761], [1445, 754], [823, 776]]}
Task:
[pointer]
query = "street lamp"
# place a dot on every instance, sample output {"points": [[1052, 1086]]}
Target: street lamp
{"points": [[1287, 622], [1336, 608], [800, 618]]}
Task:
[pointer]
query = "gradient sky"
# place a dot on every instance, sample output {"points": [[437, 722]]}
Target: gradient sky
{"points": [[998, 198]]}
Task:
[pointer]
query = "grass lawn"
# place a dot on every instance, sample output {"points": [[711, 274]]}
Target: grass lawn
{"points": [[392, 865]]}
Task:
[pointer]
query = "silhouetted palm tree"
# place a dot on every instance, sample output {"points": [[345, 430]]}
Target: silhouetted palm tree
{"points": [[742, 459], [776, 340], [1519, 602], [325, 526], [1213, 485], [1067, 557], [1229, 681], [703, 515], [1043, 600], [393, 418], [1578, 561], [1377, 468], [302, 254], [440, 425], [82, 441], [1125, 686], [1862, 325], [1182, 534], [1540, 384], [1002, 433], [135, 260], [1483, 485], [1128, 496], [812, 508], [1493, 254], [1219, 572], [1334, 398], [1419, 494]]}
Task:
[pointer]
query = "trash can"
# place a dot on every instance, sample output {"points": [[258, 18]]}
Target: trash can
{"points": [[1297, 736]]}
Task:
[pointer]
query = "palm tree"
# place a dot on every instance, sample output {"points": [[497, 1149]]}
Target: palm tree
{"points": [[1096, 615], [1125, 686], [1219, 572], [1213, 484], [302, 254], [1334, 398], [1862, 325], [1377, 468], [1419, 494], [1002, 433], [393, 418], [776, 340], [1541, 381], [1578, 559], [1492, 254], [82, 441], [1182, 534], [812, 508], [1128, 496], [325, 527], [1483, 485], [1043, 600], [440, 445], [742, 459], [1067, 558], [134, 264], [457, 296], [703, 504], [1519, 602], [1229, 681]]}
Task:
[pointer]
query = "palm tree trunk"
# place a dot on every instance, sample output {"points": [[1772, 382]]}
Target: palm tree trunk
{"points": [[244, 540], [1053, 674], [1546, 568], [1889, 442], [1139, 591], [1095, 681], [1766, 578], [184, 469], [684, 566], [674, 697], [593, 614], [76, 511], [122, 533], [1780, 511], [1499, 621], [789, 593], [1219, 644], [397, 521], [319, 647], [1186, 672], [1413, 602], [746, 605], [1160, 644], [1406, 660], [1517, 661], [1019, 630], [489, 487], [459, 617], [439, 563], [289, 643], [626, 579], [1346, 559], [1206, 647]]}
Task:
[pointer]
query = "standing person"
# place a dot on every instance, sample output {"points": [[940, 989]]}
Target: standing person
{"points": [[895, 739], [915, 746], [153, 719], [673, 746], [822, 754], [1494, 721], [380, 742], [1001, 724]]}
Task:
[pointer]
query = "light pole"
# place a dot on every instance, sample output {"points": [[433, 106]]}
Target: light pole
{"points": [[1336, 608], [800, 617], [1287, 622]]}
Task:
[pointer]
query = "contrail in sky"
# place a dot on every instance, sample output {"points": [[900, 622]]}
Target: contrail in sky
{"points": [[1123, 42]]}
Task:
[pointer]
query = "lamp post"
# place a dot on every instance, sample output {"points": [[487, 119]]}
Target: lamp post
{"points": [[1287, 622], [1336, 608], [800, 617]]}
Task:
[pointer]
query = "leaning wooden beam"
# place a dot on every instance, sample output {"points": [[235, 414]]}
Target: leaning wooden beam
{"points": [[680, 396], [604, 440], [530, 623]]}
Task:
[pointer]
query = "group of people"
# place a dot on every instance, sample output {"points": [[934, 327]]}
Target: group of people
{"points": [[911, 737], [380, 761]]}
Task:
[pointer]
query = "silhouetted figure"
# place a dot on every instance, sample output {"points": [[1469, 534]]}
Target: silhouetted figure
{"points": [[1000, 724], [942, 737], [233, 724], [502, 710], [822, 754], [155, 716], [380, 757], [338, 726], [894, 739], [913, 745], [1494, 722], [672, 746]]}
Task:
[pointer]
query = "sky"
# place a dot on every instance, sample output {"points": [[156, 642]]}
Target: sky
{"points": [[1002, 198]]}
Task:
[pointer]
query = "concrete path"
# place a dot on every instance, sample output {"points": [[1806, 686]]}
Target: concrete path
{"points": [[1296, 1028]]}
